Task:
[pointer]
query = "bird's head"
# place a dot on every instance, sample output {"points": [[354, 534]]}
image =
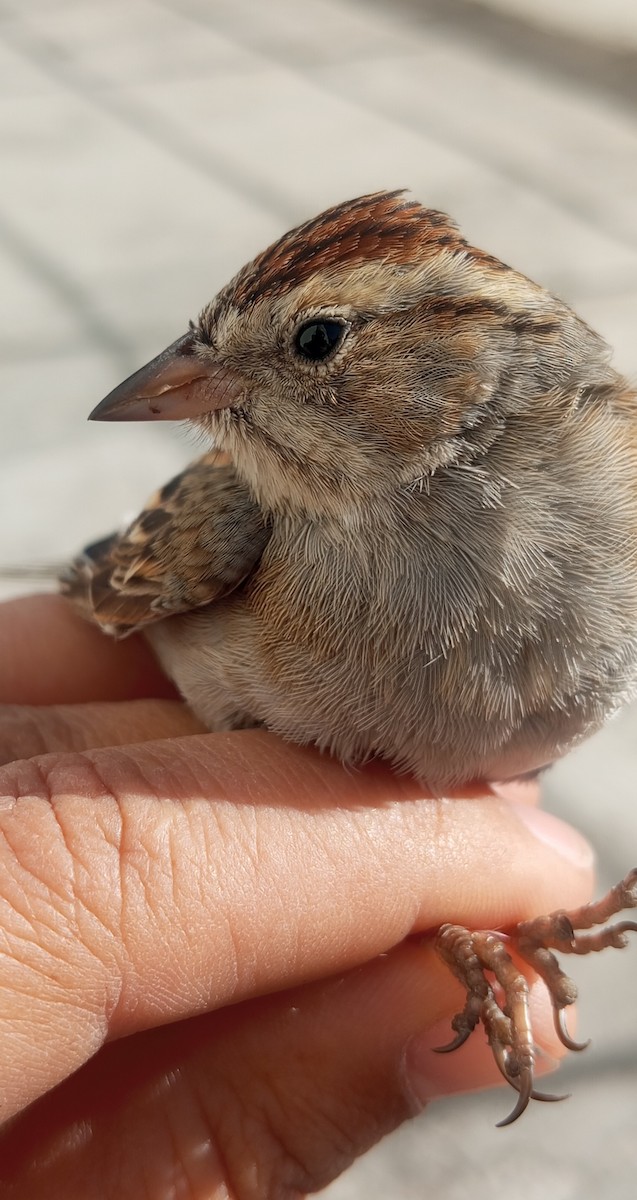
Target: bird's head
{"points": [[360, 353]]}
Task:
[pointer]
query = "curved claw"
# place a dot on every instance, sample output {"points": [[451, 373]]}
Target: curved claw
{"points": [[549, 1097], [457, 1042], [523, 1099], [524, 1095], [563, 1034], [524, 1087], [501, 1055]]}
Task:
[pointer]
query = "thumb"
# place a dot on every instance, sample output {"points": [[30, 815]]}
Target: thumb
{"points": [[272, 1097]]}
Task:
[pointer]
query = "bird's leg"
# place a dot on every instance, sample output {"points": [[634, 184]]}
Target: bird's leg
{"points": [[502, 1006], [536, 940]]}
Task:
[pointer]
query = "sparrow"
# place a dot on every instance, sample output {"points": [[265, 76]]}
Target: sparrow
{"points": [[414, 536]]}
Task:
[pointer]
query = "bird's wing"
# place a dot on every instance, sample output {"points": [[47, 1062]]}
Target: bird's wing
{"points": [[196, 540]]}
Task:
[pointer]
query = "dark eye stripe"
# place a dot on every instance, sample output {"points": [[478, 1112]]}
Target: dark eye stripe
{"points": [[315, 340]]}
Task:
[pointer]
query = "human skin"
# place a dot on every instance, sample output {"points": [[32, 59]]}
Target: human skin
{"points": [[212, 946]]}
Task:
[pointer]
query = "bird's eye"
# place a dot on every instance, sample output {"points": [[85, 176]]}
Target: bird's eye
{"points": [[317, 339]]}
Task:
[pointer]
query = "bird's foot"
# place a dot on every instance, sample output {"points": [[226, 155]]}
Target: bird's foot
{"points": [[498, 993]]}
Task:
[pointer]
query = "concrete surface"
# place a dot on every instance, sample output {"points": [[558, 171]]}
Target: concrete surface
{"points": [[613, 21], [148, 148]]}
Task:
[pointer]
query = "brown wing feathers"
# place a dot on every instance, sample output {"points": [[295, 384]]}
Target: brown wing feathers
{"points": [[198, 539]]}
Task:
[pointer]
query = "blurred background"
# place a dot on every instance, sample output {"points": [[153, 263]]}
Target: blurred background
{"points": [[148, 149]]}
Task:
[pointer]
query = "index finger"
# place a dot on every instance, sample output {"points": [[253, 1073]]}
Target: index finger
{"points": [[142, 885], [49, 655]]}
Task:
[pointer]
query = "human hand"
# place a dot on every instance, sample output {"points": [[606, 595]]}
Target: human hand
{"points": [[204, 939]]}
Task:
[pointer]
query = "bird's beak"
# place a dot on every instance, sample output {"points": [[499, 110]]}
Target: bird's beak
{"points": [[175, 385]]}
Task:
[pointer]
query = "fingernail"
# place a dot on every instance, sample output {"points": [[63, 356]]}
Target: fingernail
{"points": [[561, 838]]}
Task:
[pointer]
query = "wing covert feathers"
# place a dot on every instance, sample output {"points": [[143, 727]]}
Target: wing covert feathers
{"points": [[198, 539]]}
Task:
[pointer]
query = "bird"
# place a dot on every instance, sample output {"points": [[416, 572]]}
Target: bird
{"points": [[413, 536]]}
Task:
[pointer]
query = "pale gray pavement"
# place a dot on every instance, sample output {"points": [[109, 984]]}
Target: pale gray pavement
{"points": [[148, 148]]}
